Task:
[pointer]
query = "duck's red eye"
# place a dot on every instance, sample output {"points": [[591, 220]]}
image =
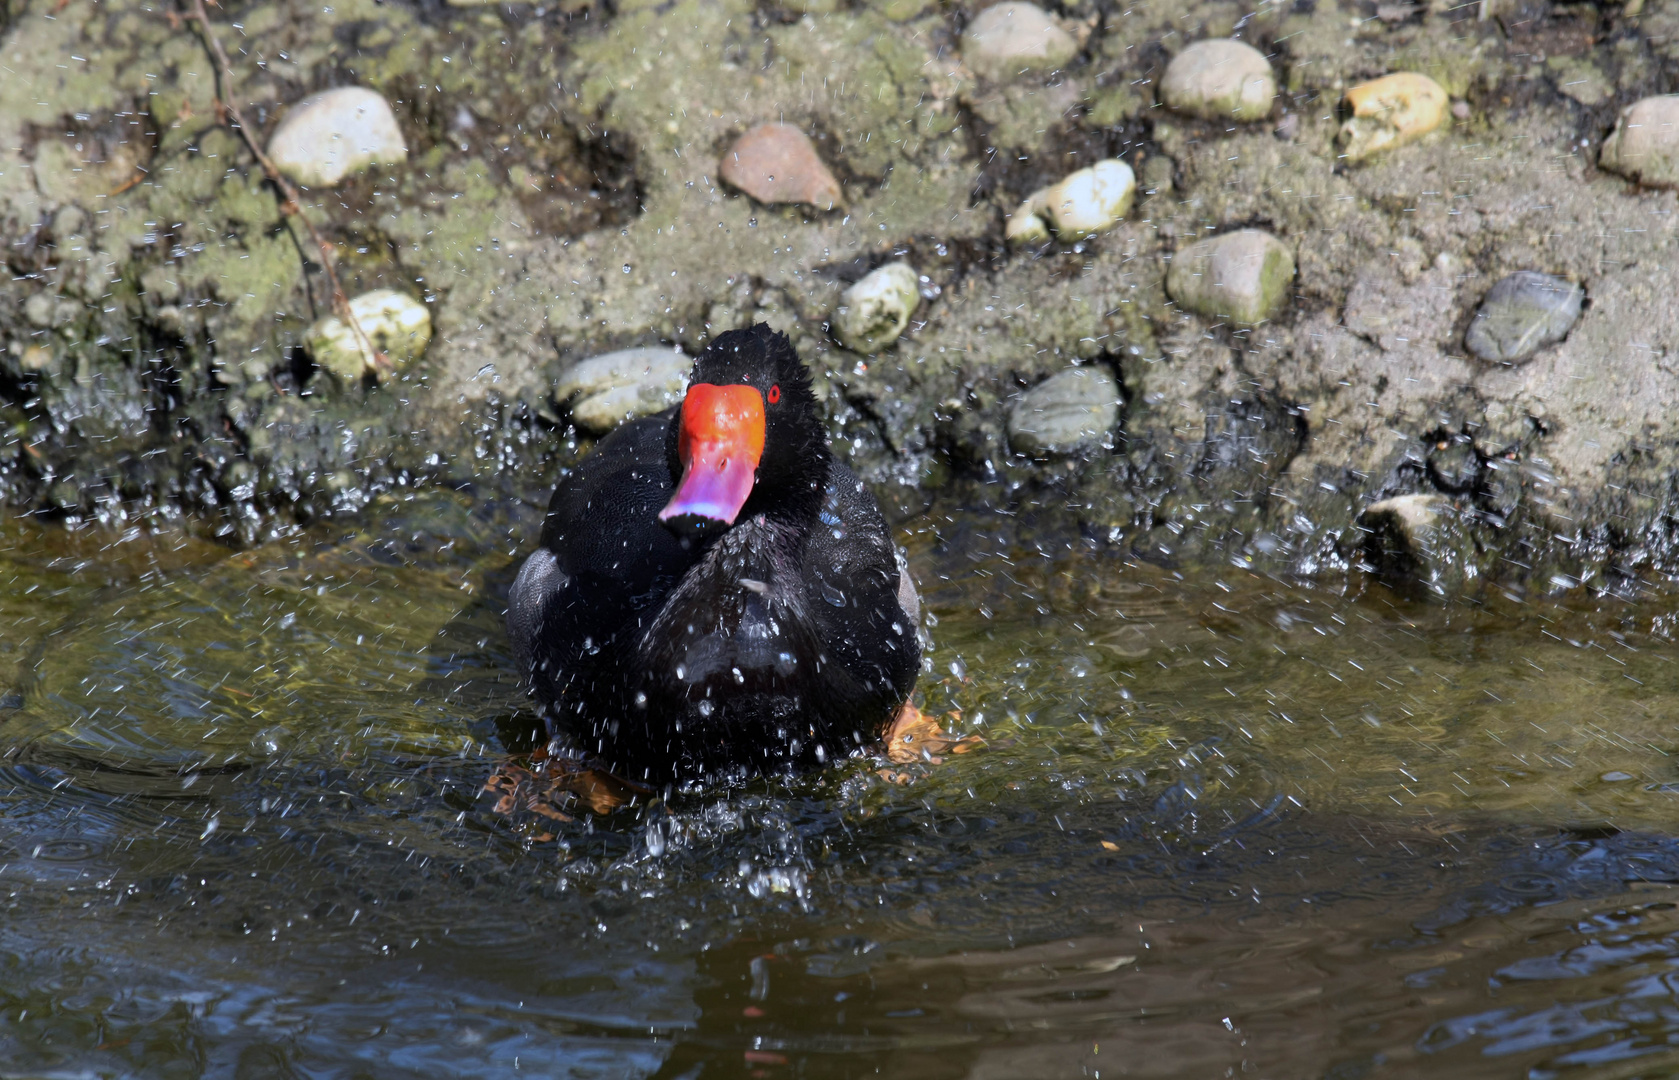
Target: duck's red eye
{"points": [[775, 394]]}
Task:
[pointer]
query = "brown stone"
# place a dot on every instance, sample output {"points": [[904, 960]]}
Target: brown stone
{"points": [[776, 163]]}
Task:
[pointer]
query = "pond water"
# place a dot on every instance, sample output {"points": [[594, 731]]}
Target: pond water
{"points": [[1223, 825]]}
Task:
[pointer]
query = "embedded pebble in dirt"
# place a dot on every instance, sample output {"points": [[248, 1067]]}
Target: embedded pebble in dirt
{"points": [[395, 324], [776, 163], [1522, 314], [1399, 532], [330, 135], [1008, 38], [1644, 146], [1219, 79], [1243, 276], [1065, 413], [874, 311], [1083, 204], [1389, 112], [609, 389]]}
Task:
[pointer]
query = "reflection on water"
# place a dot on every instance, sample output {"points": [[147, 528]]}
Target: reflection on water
{"points": [[1222, 826]]}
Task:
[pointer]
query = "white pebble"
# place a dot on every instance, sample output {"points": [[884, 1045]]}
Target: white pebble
{"points": [[330, 135]]}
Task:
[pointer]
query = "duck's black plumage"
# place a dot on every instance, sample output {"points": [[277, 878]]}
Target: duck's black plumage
{"points": [[780, 640]]}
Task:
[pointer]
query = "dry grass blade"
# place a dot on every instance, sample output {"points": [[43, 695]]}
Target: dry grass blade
{"points": [[290, 203]]}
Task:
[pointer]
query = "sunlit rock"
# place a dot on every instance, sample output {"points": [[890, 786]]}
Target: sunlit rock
{"points": [[1389, 112], [606, 390], [1008, 38], [1644, 146], [1522, 314], [395, 325], [1219, 79], [1075, 409], [327, 136], [873, 312], [1083, 204], [776, 163], [1242, 276]]}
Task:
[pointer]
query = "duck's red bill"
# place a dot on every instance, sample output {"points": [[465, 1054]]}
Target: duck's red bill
{"points": [[719, 444]]}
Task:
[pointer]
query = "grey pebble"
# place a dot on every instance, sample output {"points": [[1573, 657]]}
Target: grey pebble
{"points": [[604, 391], [1522, 314], [1065, 413]]}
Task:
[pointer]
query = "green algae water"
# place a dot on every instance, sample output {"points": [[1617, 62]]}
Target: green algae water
{"points": [[1223, 825]]}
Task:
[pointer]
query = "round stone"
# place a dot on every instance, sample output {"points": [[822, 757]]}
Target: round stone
{"points": [[1389, 112], [873, 312], [328, 136], [1008, 38], [1522, 314], [606, 390], [776, 163], [1644, 146], [1065, 413], [1219, 79], [394, 323], [1242, 276]]}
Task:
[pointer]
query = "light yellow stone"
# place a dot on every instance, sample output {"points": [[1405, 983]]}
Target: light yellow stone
{"points": [[1645, 143], [1389, 112], [394, 323]]}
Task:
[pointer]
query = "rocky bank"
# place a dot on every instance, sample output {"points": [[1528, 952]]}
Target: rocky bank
{"points": [[560, 194]]}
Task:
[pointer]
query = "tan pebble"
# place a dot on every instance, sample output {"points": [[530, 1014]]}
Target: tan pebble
{"points": [[1219, 79], [1241, 276], [1011, 37], [36, 358], [1391, 111], [776, 163], [1645, 143]]}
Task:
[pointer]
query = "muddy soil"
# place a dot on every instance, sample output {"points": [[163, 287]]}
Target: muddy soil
{"points": [[561, 198]]}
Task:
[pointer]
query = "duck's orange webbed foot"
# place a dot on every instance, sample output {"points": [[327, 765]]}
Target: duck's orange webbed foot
{"points": [[914, 738], [556, 787]]}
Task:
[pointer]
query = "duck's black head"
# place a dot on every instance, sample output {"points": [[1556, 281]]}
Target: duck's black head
{"points": [[746, 439]]}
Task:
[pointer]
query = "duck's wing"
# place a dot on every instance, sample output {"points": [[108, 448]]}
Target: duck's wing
{"points": [[860, 590], [604, 561]]}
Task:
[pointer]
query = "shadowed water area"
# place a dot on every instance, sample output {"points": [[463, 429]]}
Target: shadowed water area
{"points": [[1223, 825]]}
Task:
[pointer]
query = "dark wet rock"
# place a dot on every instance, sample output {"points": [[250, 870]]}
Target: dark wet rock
{"points": [[604, 391], [1242, 276], [776, 163], [1401, 533], [1644, 146], [1522, 314], [1068, 412], [1014, 36], [1219, 79], [336, 133], [1454, 465]]}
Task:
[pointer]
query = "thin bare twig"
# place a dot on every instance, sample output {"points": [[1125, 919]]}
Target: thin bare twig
{"points": [[290, 204]]}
